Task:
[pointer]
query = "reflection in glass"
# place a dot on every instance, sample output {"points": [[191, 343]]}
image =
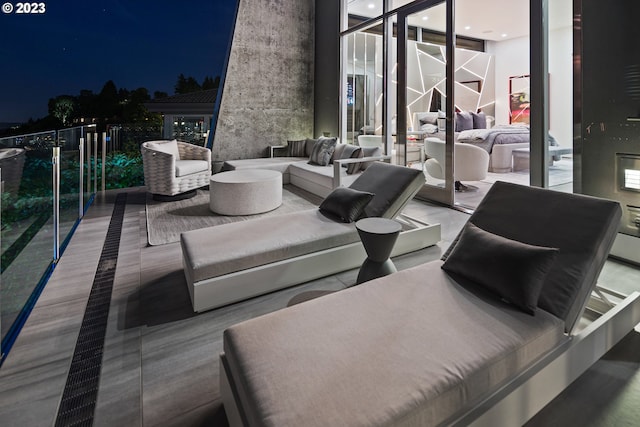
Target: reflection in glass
{"points": [[363, 100]]}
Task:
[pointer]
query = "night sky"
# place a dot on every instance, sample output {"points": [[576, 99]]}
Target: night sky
{"points": [[78, 45]]}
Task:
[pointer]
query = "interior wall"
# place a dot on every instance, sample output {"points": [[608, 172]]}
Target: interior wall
{"points": [[268, 92], [512, 59]]}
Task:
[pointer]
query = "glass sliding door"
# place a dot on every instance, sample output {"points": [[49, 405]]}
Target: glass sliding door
{"points": [[362, 100], [561, 95], [424, 75]]}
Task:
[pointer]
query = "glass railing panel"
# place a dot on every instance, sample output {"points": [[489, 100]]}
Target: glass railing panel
{"points": [[69, 142], [27, 223]]}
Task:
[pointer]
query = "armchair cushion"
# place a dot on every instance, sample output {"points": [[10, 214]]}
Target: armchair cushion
{"points": [[169, 147], [187, 167]]}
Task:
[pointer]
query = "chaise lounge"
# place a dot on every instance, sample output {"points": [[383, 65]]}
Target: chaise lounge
{"points": [[236, 261], [449, 342]]}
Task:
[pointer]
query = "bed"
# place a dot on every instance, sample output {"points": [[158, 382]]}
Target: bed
{"points": [[500, 141], [434, 344], [474, 128]]}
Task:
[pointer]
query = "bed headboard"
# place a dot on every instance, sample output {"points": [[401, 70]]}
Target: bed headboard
{"points": [[583, 228]]}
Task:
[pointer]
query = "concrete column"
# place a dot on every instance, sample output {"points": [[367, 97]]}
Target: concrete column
{"points": [[268, 94]]}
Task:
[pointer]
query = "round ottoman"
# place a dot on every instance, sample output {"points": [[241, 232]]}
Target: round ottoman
{"points": [[245, 191]]}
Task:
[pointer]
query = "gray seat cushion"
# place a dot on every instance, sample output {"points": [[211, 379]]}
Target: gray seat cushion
{"points": [[412, 348], [187, 167], [227, 248]]}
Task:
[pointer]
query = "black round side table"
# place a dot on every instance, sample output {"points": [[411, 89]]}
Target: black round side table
{"points": [[378, 235]]}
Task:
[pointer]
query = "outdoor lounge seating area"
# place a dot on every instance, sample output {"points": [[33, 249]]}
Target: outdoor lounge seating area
{"points": [[382, 353]]}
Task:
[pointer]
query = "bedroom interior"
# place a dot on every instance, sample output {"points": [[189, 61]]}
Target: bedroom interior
{"points": [[492, 69]]}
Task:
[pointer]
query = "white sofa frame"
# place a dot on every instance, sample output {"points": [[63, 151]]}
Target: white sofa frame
{"points": [[523, 397], [241, 285]]}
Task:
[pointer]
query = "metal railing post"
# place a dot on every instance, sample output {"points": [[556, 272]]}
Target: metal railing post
{"points": [[1, 353], [81, 174], [55, 160], [95, 166], [104, 157], [89, 162]]}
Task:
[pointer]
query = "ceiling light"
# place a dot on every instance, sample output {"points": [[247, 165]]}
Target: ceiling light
{"points": [[468, 27], [504, 34], [424, 18], [371, 5]]}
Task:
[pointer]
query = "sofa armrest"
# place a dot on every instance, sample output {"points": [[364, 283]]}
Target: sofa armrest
{"points": [[337, 164], [272, 149]]}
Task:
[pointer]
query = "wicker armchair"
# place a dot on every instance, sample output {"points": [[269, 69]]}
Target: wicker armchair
{"points": [[173, 170], [11, 164]]}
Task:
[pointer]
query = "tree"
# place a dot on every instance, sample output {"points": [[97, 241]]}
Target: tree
{"points": [[62, 109], [209, 83], [186, 85], [134, 110], [159, 94], [109, 102]]}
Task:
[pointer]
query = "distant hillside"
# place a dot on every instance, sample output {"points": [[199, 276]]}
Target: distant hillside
{"points": [[7, 125]]}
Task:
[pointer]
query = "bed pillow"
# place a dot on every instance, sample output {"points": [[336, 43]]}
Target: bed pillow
{"points": [[513, 270], [429, 128], [346, 203], [322, 151], [297, 148], [464, 121], [479, 120]]}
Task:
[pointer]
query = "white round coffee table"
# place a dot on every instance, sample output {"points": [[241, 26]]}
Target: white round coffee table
{"points": [[245, 191]]}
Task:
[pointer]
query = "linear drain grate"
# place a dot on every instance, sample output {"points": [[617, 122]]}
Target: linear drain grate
{"points": [[80, 393]]}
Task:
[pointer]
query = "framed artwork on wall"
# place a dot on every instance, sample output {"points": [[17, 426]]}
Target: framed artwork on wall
{"points": [[519, 101]]}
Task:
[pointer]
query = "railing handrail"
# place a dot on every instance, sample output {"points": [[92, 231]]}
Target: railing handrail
{"points": [[28, 134]]}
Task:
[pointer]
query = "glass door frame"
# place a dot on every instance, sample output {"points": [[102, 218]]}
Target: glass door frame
{"points": [[444, 195]]}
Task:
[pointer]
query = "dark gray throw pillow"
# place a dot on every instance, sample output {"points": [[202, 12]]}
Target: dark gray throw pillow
{"points": [[322, 151], [345, 203], [513, 270], [297, 148], [354, 152]]}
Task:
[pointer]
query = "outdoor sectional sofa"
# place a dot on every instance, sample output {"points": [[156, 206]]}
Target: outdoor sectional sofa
{"points": [[317, 179], [236, 261], [485, 336]]}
